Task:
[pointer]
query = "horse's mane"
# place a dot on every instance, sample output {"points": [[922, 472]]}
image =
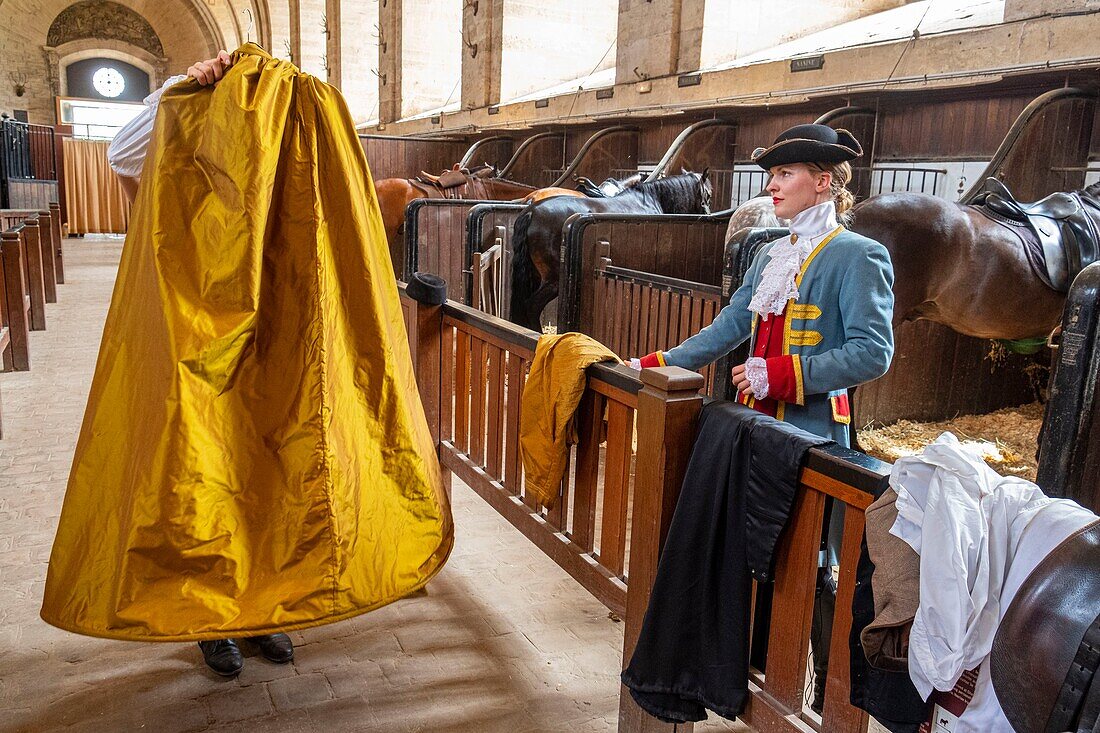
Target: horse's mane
{"points": [[682, 188], [1092, 191], [670, 183]]}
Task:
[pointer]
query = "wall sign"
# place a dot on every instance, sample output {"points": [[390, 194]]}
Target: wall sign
{"points": [[808, 63]]}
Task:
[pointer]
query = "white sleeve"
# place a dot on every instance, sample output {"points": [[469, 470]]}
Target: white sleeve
{"points": [[126, 153]]}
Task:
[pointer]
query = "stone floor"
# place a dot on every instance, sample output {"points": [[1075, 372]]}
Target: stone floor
{"points": [[502, 639]]}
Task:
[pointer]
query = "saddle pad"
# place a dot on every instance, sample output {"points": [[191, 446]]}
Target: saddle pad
{"points": [[1050, 265]]}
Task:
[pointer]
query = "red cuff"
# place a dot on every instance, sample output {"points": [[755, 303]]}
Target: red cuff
{"points": [[650, 361], [785, 379]]}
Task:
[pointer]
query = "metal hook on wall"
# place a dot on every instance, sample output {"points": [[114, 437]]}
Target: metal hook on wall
{"points": [[251, 24]]}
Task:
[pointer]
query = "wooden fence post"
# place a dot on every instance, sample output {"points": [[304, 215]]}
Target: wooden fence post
{"points": [[33, 264], [17, 356], [58, 236], [49, 254], [424, 323], [668, 409]]}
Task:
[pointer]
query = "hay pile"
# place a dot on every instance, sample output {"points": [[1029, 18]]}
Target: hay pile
{"points": [[1008, 439]]}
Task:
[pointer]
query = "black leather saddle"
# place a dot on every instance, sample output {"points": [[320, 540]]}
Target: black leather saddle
{"points": [[589, 188], [1059, 236], [610, 187], [1046, 654]]}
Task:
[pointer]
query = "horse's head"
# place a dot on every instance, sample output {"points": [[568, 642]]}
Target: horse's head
{"points": [[706, 190], [1091, 194]]}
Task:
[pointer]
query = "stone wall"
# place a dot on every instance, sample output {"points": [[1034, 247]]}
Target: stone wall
{"points": [[24, 37]]}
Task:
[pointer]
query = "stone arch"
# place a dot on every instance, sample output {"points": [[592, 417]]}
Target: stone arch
{"points": [[103, 20], [69, 53]]}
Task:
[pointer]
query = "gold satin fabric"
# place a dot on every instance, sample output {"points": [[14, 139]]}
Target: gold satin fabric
{"points": [[550, 398], [254, 456], [94, 199]]}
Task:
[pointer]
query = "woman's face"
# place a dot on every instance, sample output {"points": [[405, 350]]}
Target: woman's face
{"points": [[796, 187]]}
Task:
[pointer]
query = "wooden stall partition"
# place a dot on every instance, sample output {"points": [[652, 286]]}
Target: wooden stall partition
{"points": [[495, 150], [390, 156], [612, 149], [535, 158], [921, 127], [703, 144], [13, 217], [489, 228], [1046, 148], [484, 365], [642, 283], [435, 242]]}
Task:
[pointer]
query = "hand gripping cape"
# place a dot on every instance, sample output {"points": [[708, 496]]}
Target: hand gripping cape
{"points": [[254, 456]]}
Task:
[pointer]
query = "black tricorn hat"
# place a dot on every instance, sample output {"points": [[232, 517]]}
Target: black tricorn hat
{"points": [[426, 288], [808, 144]]}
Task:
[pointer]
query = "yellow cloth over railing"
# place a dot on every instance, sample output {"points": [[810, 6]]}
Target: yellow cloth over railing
{"points": [[254, 456], [550, 398]]}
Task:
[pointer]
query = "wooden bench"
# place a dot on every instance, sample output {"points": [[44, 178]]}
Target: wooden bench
{"points": [[42, 258], [15, 299], [616, 503]]}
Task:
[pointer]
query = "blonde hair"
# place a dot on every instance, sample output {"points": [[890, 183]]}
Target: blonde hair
{"points": [[841, 175]]}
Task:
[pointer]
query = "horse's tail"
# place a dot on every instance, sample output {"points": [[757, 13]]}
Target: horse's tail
{"points": [[525, 278]]}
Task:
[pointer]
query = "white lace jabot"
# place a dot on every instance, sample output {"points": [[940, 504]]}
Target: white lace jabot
{"points": [[777, 282]]}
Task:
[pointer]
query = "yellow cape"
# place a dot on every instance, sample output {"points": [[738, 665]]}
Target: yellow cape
{"points": [[254, 456]]}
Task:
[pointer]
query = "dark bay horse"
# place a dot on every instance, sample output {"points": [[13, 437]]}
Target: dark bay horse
{"points": [[394, 194], [955, 266], [536, 239]]}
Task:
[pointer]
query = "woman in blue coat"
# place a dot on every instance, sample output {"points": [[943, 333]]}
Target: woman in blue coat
{"points": [[817, 306]]}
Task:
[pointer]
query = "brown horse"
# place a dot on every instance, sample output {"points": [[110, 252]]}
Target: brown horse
{"points": [[955, 266], [394, 194]]}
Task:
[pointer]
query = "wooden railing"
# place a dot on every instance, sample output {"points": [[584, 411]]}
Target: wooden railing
{"points": [[615, 506]]}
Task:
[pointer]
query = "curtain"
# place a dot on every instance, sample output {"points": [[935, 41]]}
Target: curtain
{"points": [[95, 201]]}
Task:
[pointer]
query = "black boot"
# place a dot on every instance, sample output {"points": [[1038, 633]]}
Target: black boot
{"points": [[276, 648], [223, 656], [821, 633]]}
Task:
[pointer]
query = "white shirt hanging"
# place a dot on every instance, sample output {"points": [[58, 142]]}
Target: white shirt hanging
{"points": [[978, 535], [777, 281], [126, 153]]}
